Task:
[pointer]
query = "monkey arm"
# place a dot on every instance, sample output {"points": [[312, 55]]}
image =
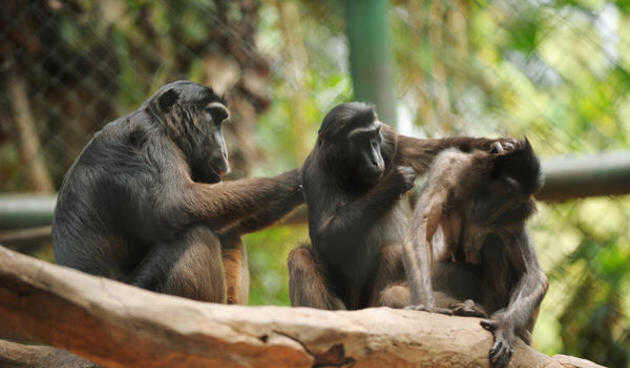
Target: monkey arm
{"points": [[419, 153], [419, 250], [353, 219], [531, 288], [221, 204], [417, 261], [267, 216], [519, 316], [430, 214]]}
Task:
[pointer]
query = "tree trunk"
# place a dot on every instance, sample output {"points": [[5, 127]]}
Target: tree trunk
{"points": [[25, 131]]}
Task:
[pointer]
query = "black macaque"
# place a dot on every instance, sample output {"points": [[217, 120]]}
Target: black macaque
{"points": [[144, 202], [467, 250], [353, 182]]}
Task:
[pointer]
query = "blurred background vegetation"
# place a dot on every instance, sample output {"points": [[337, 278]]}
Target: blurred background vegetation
{"points": [[556, 71]]}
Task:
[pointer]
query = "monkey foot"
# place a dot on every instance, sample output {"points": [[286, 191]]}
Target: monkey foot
{"points": [[467, 308], [430, 309]]}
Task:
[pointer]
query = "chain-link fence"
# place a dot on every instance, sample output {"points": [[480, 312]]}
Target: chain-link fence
{"points": [[557, 72]]}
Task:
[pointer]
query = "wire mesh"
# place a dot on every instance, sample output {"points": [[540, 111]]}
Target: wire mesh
{"points": [[556, 72]]}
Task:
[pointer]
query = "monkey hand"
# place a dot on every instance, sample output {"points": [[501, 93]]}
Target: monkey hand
{"points": [[502, 350], [403, 177], [429, 308], [294, 180], [502, 145]]}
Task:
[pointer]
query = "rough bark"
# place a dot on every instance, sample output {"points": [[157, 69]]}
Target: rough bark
{"points": [[14, 355], [117, 325]]}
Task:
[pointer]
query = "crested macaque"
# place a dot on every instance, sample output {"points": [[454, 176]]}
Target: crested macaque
{"points": [[467, 250], [144, 202], [353, 181]]}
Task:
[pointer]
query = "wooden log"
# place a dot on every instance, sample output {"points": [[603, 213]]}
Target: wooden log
{"points": [[117, 325]]}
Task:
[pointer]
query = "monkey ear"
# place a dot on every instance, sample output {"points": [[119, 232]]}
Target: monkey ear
{"points": [[167, 100]]}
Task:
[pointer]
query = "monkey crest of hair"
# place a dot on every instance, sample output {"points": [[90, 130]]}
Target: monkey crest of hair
{"points": [[522, 164], [494, 186], [344, 117]]}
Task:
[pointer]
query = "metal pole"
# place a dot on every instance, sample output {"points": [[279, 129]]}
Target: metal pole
{"points": [[370, 55], [573, 177], [18, 211], [565, 178]]}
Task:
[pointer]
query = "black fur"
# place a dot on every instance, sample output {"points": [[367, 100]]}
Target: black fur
{"points": [[353, 182], [143, 202], [478, 203]]}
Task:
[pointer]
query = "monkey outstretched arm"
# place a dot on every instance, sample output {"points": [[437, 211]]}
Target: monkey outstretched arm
{"points": [[218, 205], [419, 153], [266, 216]]}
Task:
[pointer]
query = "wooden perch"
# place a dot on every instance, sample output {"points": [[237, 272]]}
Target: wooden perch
{"points": [[117, 325]]}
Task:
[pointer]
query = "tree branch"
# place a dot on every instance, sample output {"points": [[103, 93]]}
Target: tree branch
{"points": [[117, 325]]}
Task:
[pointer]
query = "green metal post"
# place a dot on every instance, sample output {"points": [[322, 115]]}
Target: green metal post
{"points": [[370, 55]]}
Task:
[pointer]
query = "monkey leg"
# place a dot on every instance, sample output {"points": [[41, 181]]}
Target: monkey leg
{"points": [[308, 284], [236, 270], [390, 288], [190, 267]]}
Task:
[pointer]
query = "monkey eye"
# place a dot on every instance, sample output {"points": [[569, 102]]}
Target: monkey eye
{"points": [[218, 112]]}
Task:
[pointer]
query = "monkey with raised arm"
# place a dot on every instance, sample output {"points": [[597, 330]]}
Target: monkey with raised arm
{"points": [[467, 250], [144, 203], [353, 181]]}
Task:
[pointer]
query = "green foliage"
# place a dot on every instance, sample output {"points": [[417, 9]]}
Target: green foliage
{"points": [[557, 71], [268, 251]]}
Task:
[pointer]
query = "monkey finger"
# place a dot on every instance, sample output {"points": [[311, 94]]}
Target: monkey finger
{"points": [[489, 324], [446, 311], [501, 356], [495, 352], [418, 307], [424, 308], [508, 144], [467, 312], [496, 147]]}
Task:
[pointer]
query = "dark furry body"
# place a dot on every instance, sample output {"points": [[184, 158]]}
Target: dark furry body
{"points": [[143, 203], [468, 242], [357, 221]]}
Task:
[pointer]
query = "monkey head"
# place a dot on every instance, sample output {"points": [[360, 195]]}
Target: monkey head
{"points": [[502, 185], [191, 116], [351, 140], [471, 195]]}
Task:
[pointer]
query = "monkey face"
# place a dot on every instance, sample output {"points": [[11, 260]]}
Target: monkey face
{"points": [[193, 117], [352, 141], [211, 152], [365, 151]]}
